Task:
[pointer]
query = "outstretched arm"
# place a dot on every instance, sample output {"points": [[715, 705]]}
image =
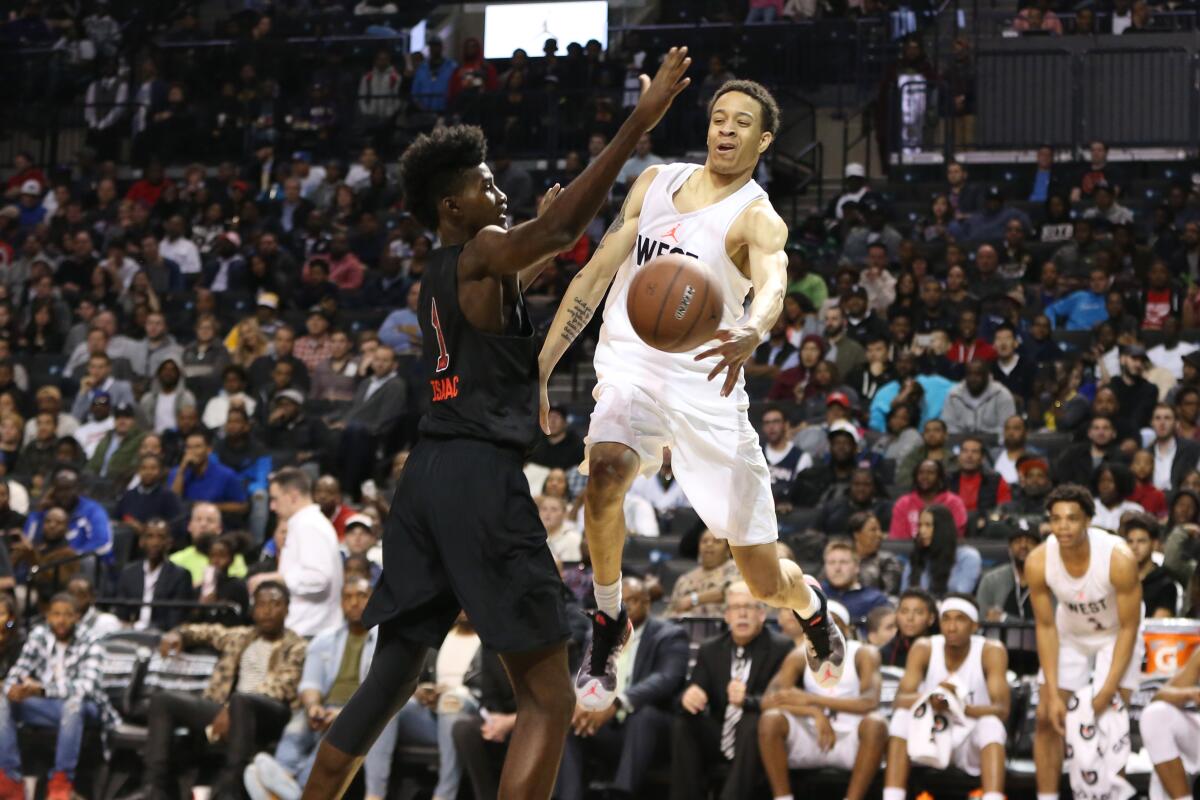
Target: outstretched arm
{"points": [[765, 236], [496, 251], [587, 288]]}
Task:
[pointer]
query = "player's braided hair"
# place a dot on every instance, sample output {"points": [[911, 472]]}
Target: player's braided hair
{"points": [[433, 165], [770, 108]]}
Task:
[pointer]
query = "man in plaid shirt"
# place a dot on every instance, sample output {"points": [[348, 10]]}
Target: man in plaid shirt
{"points": [[54, 684]]}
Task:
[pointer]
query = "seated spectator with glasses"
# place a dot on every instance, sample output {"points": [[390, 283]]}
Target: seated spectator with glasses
{"points": [[717, 721]]}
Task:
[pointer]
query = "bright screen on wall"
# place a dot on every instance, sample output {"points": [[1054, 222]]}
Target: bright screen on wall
{"points": [[528, 25]]}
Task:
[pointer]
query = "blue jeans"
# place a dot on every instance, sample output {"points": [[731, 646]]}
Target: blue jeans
{"points": [[68, 716], [297, 750], [764, 14], [419, 725]]}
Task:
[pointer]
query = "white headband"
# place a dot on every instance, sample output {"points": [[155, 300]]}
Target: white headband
{"points": [[838, 610], [958, 604]]}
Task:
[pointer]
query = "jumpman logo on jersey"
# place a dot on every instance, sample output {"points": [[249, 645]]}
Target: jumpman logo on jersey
{"points": [[672, 231]]}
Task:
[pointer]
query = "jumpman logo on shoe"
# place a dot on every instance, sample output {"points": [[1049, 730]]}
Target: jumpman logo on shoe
{"points": [[593, 691], [671, 232]]}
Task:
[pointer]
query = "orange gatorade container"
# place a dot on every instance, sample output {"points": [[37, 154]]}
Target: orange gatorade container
{"points": [[1169, 644]]}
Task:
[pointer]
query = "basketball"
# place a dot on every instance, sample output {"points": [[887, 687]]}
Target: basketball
{"points": [[674, 304]]}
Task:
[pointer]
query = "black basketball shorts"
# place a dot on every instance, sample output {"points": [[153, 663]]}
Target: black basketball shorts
{"points": [[464, 533]]}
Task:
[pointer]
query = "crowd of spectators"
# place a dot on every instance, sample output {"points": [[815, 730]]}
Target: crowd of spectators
{"points": [[209, 378]]}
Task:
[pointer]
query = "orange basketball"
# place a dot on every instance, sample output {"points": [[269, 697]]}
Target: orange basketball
{"points": [[674, 303]]}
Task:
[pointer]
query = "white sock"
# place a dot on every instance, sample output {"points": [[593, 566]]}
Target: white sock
{"points": [[993, 796], [1047, 796], [894, 793], [785, 797], [814, 604], [608, 598]]}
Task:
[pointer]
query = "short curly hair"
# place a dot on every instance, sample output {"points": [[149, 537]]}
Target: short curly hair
{"points": [[433, 165], [766, 100], [1072, 493]]}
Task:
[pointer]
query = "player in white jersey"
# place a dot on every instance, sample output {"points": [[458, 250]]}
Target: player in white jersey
{"points": [[971, 667], [1094, 635], [647, 399], [814, 726], [1171, 732]]}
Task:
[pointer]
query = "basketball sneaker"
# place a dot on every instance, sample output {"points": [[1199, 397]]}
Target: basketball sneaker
{"points": [[596, 683], [826, 645]]}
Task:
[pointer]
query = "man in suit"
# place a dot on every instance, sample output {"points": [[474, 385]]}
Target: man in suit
{"points": [[633, 732], [719, 710], [116, 455], [1174, 456], [379, 401], [154, 578]]}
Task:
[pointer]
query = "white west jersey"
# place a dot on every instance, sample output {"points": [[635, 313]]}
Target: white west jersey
{"points": [[847, 688], [621, 355], [968, 678], [1087, 606]]}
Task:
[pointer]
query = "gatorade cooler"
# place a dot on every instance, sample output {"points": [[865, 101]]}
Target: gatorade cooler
{"points": [[1169, 644]]}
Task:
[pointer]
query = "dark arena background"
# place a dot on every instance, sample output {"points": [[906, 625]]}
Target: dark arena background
{"points": [[210, 350]]}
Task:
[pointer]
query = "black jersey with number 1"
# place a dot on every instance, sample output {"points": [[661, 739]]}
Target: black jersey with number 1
{"points": [[483, 385]]}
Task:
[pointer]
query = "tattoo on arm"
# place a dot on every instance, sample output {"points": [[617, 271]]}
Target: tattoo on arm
{"points": [[578, 317], [616, 225]]}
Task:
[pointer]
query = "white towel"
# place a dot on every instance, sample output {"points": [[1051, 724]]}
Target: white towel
{"points": [[1096, 753], [934, 736]]}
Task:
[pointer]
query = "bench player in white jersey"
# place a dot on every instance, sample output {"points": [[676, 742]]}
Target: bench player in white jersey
{"points": [[1094, 635], [974, 669], [647, 399], [813, 726], [1171, 732]]}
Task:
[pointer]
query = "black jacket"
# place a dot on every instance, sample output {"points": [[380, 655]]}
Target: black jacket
{"points": [[1020, 380], [488, 681], [1137, 400], [1187, 453], [660, 665], [1159, 591], [715, 661], [1075, 463], [174, 583]]}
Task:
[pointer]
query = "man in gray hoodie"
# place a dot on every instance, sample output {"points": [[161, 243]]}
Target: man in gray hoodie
{"points": [[978, 404]]}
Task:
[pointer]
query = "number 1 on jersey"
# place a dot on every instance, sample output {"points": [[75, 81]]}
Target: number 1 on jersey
{"points": [[443, 360]]}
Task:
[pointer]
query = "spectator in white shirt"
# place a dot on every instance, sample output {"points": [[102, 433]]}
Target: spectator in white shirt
{"points": [[662, 490], [310, 564], [1169, 354], [233, 393], [561, 535], [179, 248]]}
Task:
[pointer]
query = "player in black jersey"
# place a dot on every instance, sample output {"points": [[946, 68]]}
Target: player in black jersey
{"points": [[463, 531]]}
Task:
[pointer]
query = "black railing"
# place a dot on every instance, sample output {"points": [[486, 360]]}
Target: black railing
{"points": [[215, 607]]}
